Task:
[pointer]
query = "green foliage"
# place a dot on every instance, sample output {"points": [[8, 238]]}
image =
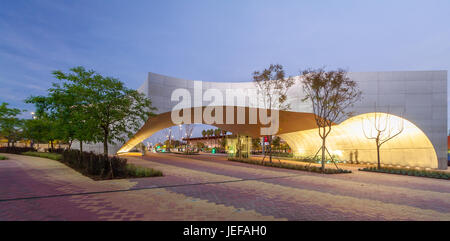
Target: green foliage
{"points": [[10, 125], [137, 171], [39, 130], [94, 165], [98, 167], [3, 158], [200, 145], [291, 166], [53, 156], [15, 149], [409, 172], [116, 109], [256, 143], [89, 107]]}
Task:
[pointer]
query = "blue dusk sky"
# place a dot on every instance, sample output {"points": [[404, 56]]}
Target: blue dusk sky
{"points": [[213, 40]]}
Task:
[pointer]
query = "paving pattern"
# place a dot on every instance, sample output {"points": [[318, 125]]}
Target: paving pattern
{"points": [[204, 187]]}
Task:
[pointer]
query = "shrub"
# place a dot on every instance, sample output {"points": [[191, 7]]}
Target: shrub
{"points": [[16, 150], [291, 166], [55, 150], [98, 166], [136, 171], [409, 172], [53, 156], [3, 158]]}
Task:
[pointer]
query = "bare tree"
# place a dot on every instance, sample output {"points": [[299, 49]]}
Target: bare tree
{"points": [[188, 129], [168, 133], [381, 129], [272, 86], [331, 93]]}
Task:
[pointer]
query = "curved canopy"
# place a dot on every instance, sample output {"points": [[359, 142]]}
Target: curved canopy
{"points": [[346, 140], [288, 122]]}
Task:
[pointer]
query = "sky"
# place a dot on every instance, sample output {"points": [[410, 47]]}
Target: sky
{"points": [[213, 40]]}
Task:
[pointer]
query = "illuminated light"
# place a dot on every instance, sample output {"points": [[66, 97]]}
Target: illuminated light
{"points": [[130, 154], [410, 148], [336, 152]]}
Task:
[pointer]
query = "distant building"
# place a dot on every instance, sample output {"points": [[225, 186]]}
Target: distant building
{"points": [[210, 142]]}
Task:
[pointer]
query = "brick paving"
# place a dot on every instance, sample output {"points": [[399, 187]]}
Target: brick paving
{"points": [[202, 187]]}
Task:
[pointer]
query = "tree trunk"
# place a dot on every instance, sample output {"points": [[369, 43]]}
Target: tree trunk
{"points": [[105, 144], [323, 154], [51, 144], [81, 146], [270, 148], [8, 144], [378, 156], [105, 151]]}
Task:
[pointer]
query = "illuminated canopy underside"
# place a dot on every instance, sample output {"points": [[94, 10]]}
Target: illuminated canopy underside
{"points": [[410, 148]]}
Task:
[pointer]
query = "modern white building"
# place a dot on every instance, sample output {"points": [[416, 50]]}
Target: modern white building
{"points": [[416, 98]]}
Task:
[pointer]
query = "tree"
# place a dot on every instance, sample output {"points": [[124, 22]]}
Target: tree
{"points": [[381, 129], [256, 143], [330, 93], [203, 133], [200, 145], [188, 128], [90, 107], [168, 134], [276, 143], [10, 125], [216, 135], [209, 133], [66, 106], [109, 109], [37, 130], [272, 86]]}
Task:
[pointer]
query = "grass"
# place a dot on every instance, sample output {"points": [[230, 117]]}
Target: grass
{"points": [[409, 172], [137, 171], [291, 166], [132, 170], [3, 158], [53, 156], [184, 153]]}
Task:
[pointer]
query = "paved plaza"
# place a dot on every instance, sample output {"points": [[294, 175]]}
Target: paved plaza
{"points": [[205, 187]]}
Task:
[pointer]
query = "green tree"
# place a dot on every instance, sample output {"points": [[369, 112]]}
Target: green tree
{"points": [[65, 108], [200, 145], [117, 111], [89, 107], [330, 93], [37, 130], [256, 143], [10, 125], [276, 142]]}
